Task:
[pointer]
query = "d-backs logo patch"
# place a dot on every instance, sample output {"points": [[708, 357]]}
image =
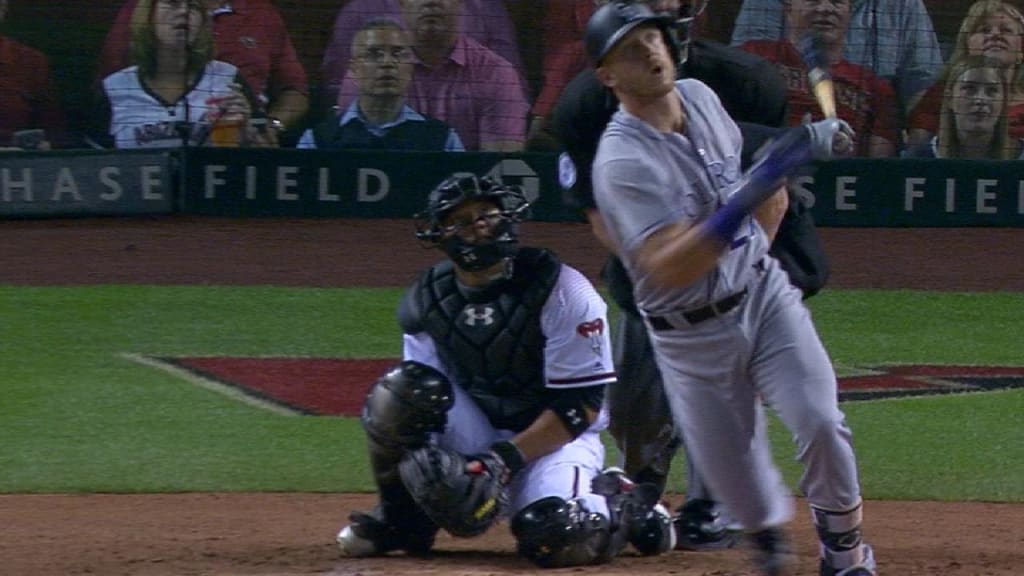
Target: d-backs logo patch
{"points": [[591, 328]]}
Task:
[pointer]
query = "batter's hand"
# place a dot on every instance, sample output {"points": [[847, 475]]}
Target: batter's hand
{"points": [[831, 138]]}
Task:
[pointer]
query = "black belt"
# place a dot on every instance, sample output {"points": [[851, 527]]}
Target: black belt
{"points": [[700, 314]]}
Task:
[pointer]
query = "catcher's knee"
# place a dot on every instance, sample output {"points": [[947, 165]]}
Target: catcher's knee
{"points": [[556, 533], [406, 404]]}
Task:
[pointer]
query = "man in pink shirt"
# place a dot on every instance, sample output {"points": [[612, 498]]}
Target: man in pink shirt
{"points": [[249, 34], [486, 21], [459, 81]]}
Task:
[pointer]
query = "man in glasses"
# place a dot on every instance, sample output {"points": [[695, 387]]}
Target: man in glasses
{"points": [[380, 118]]}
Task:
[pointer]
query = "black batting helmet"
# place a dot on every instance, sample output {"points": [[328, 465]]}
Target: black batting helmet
{"points": [[512, 206], [611, 22]]}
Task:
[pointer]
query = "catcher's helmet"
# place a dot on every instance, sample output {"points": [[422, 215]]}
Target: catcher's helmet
{"points": [[452, 192], [611, 22]]}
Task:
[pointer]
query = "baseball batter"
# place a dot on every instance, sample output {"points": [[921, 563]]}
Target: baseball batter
{"points": [[728, 329], [506, 355], [752, 91]]}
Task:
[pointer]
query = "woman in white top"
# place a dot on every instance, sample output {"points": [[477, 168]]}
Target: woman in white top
{"points": [[175, 93]]}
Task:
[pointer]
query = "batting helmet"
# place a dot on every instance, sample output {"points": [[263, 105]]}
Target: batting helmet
{"points": [[611, 22], [455, 190]]}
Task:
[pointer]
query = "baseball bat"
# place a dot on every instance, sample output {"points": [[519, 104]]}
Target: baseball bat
{"points": [[812, 50]]}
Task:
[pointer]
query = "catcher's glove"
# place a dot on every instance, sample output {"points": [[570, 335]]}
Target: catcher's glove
{"points": [[463, 495]]}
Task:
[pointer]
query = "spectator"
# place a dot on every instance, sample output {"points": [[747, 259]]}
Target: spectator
{"points": [[458, 80], [867, 102], [992, 28], [251, 35], [564, 57], [28, 99], [486, 21], [895, 39], [973, 120], [175, 92], [380, 118]]}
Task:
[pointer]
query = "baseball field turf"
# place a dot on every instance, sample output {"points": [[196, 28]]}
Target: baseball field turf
{"points": [[80, 414]]}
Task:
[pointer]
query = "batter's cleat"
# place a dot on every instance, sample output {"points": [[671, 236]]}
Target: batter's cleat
{"points": [[699, 526], [635, 508], [866, 566], [772, 553], [370, 535]]}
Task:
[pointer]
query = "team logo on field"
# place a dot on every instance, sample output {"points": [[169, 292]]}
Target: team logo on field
{"points": [[338, 386]]}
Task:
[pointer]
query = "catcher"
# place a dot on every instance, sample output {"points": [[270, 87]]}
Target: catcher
{"points": [[497, 407]]}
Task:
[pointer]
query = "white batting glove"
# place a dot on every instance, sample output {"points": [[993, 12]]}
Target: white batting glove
{"points": [[830, 138]]}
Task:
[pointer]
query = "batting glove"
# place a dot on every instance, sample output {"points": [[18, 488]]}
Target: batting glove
{"points": [[830, 138]]}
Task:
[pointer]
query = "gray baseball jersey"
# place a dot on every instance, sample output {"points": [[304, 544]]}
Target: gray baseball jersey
{"points": [[720, 367], [645, 179]]}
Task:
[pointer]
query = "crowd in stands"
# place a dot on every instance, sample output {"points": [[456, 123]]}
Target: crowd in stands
{"points": [[477, 75]]}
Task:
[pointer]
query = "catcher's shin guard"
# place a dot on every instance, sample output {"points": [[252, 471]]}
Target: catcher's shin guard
{"points": [[379, 531], [637, 516], [402, 409], [557, 533]]}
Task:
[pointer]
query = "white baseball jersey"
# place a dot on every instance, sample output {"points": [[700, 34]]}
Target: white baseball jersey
{"points": [[141, 119], [577, 353]]}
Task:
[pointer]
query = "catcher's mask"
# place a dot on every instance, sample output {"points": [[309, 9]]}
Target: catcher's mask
{"points": [[510, 208], [689, 11]]}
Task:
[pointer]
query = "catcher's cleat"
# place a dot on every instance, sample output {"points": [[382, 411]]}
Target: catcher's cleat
{"points": [[699, 526], [635, 509], [772, 553], [370, 535], [866, 566]]}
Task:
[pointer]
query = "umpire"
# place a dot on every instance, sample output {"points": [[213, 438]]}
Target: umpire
{"points": [[754, 94]]}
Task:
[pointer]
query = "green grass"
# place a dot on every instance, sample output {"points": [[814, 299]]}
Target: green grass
{"points": [[76, 415]]}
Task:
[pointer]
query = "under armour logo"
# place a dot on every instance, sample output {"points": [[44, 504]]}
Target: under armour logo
{"points": [[574, 416], [474, 314]]}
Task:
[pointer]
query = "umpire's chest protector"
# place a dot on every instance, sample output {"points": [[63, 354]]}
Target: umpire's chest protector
{"points": [[491, 339]]}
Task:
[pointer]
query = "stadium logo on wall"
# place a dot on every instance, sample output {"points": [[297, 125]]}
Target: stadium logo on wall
{"points": [[337, 387]]}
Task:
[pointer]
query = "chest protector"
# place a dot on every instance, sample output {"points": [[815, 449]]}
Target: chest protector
{"points": [[490, 339]]}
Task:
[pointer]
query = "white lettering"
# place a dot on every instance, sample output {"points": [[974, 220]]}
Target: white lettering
{"points": [[286, 180], [912, 191], [950, 195], [151, 182], [250, 182], [364, 194], [845, 192], [108, 177], [65, 184], [323, 187], [25, 184], [212, 179], [985, 194]]}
